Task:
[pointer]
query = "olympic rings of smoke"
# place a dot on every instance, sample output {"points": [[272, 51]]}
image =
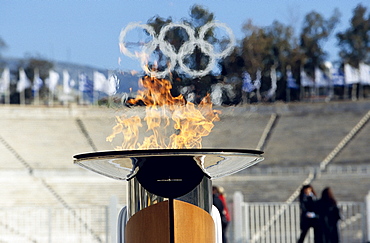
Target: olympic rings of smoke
{"points": [[185, 50]]}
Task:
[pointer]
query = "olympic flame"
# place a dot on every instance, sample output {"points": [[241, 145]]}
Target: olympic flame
{"points": [[171, 122]]}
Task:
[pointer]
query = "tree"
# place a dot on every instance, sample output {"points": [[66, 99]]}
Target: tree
{"points": [[316, 29], [264, 47], [2, 44], [354, 42], [254, 47]]}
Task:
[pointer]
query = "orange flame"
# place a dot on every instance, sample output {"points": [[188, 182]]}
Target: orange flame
{"points": [[189, 122]]}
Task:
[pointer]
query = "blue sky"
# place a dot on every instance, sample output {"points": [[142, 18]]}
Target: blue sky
{"points": [[86, 31]]}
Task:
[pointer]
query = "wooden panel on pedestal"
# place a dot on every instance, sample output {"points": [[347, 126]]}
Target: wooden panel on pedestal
{"points": [[150, 225], [192, 224], [171, 221]]}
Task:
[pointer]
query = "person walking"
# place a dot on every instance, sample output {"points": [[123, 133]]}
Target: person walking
{"points": [[309, 217], [329, 216]]}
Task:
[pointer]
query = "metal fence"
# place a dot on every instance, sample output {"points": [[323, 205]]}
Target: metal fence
{"points": [[252, 222], [291, 171], [279, 222], [54, 225]]}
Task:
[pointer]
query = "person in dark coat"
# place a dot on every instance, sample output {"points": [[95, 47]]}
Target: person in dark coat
{"points": [[309, 216], [329, 216], [217, 202]]}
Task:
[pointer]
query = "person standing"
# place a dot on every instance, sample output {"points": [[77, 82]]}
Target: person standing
{"points": [[329, 216], [227, 218], [309, 217], [217, 202]]}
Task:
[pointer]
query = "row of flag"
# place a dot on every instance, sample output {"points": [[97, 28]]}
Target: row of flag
{"points": [[336, 77], [85, 84]]}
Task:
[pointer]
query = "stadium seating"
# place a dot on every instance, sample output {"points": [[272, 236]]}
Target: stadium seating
{"points": [[37, 145]]}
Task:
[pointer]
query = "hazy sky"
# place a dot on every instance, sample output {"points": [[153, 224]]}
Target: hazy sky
{"points": [[86, 31]]}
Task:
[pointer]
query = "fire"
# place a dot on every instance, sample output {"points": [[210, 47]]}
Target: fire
{"points": [[171, 122]]}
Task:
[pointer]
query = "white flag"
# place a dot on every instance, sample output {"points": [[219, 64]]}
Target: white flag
{"points": [[351, 75], [247, 83], [99, 81], [5, 80], [111, 87], [292, 84], [37, 81], [320, 78], [52, 81], [337, 77], [257, 82], [23, 82], [273, 76], [365, 73], [306, 81], [102, 84], [66, 82]]}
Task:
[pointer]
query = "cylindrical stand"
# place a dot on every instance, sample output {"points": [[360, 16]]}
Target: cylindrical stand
{"points": [[153, 218], [169, 190]]}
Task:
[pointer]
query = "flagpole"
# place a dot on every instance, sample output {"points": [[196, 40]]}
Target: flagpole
{"points": [[331, 84], [110, 98], [65, 87], [5, 76], [95, 97], [258, 77], [80, 89], [7, 96], [22, 85], [37, 97], [301, 95], [35, 82], [51, 97], [287, 89]]}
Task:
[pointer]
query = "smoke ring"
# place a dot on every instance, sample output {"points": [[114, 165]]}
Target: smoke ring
{"points": [[186, 49], [166, 47], [147, 46], [203, 30]]}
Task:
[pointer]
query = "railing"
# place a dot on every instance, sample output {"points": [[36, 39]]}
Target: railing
{"points": [[279, 222], [53, 225], [252, 222], [289, 171]]}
